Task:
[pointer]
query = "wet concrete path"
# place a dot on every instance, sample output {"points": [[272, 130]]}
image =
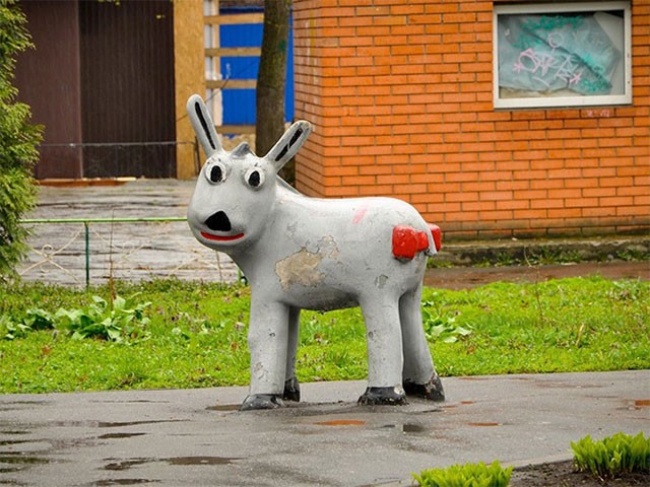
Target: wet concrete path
{"points": [[197, 437]]}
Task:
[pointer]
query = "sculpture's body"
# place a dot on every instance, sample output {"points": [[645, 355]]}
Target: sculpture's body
{"points": [[299, 252]]}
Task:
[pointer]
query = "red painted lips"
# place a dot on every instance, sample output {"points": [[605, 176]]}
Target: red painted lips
{"points": [[221, 238]]}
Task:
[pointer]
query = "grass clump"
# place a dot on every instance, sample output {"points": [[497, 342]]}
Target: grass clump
{"points": [[467, 475], [612, 456]]}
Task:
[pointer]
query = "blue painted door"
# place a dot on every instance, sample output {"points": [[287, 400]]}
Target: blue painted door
{"points": [[239, 104]]}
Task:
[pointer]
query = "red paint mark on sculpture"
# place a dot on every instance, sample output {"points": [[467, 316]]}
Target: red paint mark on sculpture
{"points": [[407, 242], [360, 213]]}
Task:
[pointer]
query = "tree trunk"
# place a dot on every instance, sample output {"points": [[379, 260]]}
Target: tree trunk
{"points": [[271, 79]]}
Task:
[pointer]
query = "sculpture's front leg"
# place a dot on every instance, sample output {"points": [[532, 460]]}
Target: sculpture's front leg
{"points": [[291, 384], [268, 344]]}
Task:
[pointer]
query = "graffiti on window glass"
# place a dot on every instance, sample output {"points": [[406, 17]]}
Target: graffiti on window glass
{"points": [[547, 54]]}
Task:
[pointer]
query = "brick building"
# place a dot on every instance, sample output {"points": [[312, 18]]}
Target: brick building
{"points": [[402, 96]]}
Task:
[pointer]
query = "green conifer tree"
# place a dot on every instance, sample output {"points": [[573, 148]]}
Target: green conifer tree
{"points": [[18, 143]]}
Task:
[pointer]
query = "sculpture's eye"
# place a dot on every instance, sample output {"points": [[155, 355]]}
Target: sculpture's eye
{"points": [[254, 178], [216, 173]]}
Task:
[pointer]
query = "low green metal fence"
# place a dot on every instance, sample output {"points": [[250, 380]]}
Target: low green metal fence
{"points": [[88, 221]]}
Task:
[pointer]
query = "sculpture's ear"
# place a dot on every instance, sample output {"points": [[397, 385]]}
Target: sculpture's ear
{"points": [[289, 144], [203, 125]]}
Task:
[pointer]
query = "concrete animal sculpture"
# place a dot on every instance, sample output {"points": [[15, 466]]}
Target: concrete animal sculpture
{"points": [[321, 254]]}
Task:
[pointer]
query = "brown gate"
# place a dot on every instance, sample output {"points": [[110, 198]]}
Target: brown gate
{"points": [[127, 88]]}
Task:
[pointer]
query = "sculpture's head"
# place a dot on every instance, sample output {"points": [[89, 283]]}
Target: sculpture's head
{"points": [[235, 191]]}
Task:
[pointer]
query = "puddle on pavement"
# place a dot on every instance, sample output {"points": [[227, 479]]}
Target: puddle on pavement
{"points": [[16, 405], [455, 405], [116, 424], [127, 464], [18, 458], [22, 403], [110, 436], [108, 424], [341, 422], [133, 401], [13, 442], [124, 482], [414, 428], [223, 407], [176, 461], [409, 428], [200, 460]]}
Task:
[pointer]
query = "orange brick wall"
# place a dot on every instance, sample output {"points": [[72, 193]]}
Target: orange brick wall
{"points": [[400, 93]]}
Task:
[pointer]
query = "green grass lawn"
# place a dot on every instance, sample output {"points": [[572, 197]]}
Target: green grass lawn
{"points": [[194, 334]]}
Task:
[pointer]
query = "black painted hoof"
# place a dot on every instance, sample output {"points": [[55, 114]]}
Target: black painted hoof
{"points": [[261, 401], [383, 396], [432, 390], [291, 390]]}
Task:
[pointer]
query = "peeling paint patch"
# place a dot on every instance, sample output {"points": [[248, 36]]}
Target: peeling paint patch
{"points": [[300, 268], [327, 247]]}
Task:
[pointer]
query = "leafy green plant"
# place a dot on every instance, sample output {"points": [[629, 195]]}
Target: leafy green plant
{"points": [[36, 319], [11, 329], [116, 321], [437, 328], [121, 319], [613, 455], [468, 475], [18, 142]]}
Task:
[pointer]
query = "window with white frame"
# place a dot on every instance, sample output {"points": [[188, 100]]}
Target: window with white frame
{"points": [[562, 54]]}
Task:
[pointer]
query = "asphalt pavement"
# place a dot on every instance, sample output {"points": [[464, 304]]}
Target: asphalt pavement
{"points": [[199, 438]]}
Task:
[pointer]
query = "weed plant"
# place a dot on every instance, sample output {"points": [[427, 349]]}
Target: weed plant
{"points": [[467, 475], [196, 334], [612, 456], [118, 320]]}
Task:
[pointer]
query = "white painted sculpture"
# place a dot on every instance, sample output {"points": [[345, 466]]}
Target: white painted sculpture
{"points": [[321, 254]]}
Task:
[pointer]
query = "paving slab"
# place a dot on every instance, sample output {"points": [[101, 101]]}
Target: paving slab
{"points": [[199, 438]]}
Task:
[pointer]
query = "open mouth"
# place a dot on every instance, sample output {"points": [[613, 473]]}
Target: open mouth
{"points": [[221, 238]]}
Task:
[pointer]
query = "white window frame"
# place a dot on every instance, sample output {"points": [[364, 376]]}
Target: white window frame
{"points": [[572, 100]]}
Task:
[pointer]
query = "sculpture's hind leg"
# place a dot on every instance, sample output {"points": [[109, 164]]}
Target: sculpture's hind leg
{"points": [[419, 374], [381, 316]]}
